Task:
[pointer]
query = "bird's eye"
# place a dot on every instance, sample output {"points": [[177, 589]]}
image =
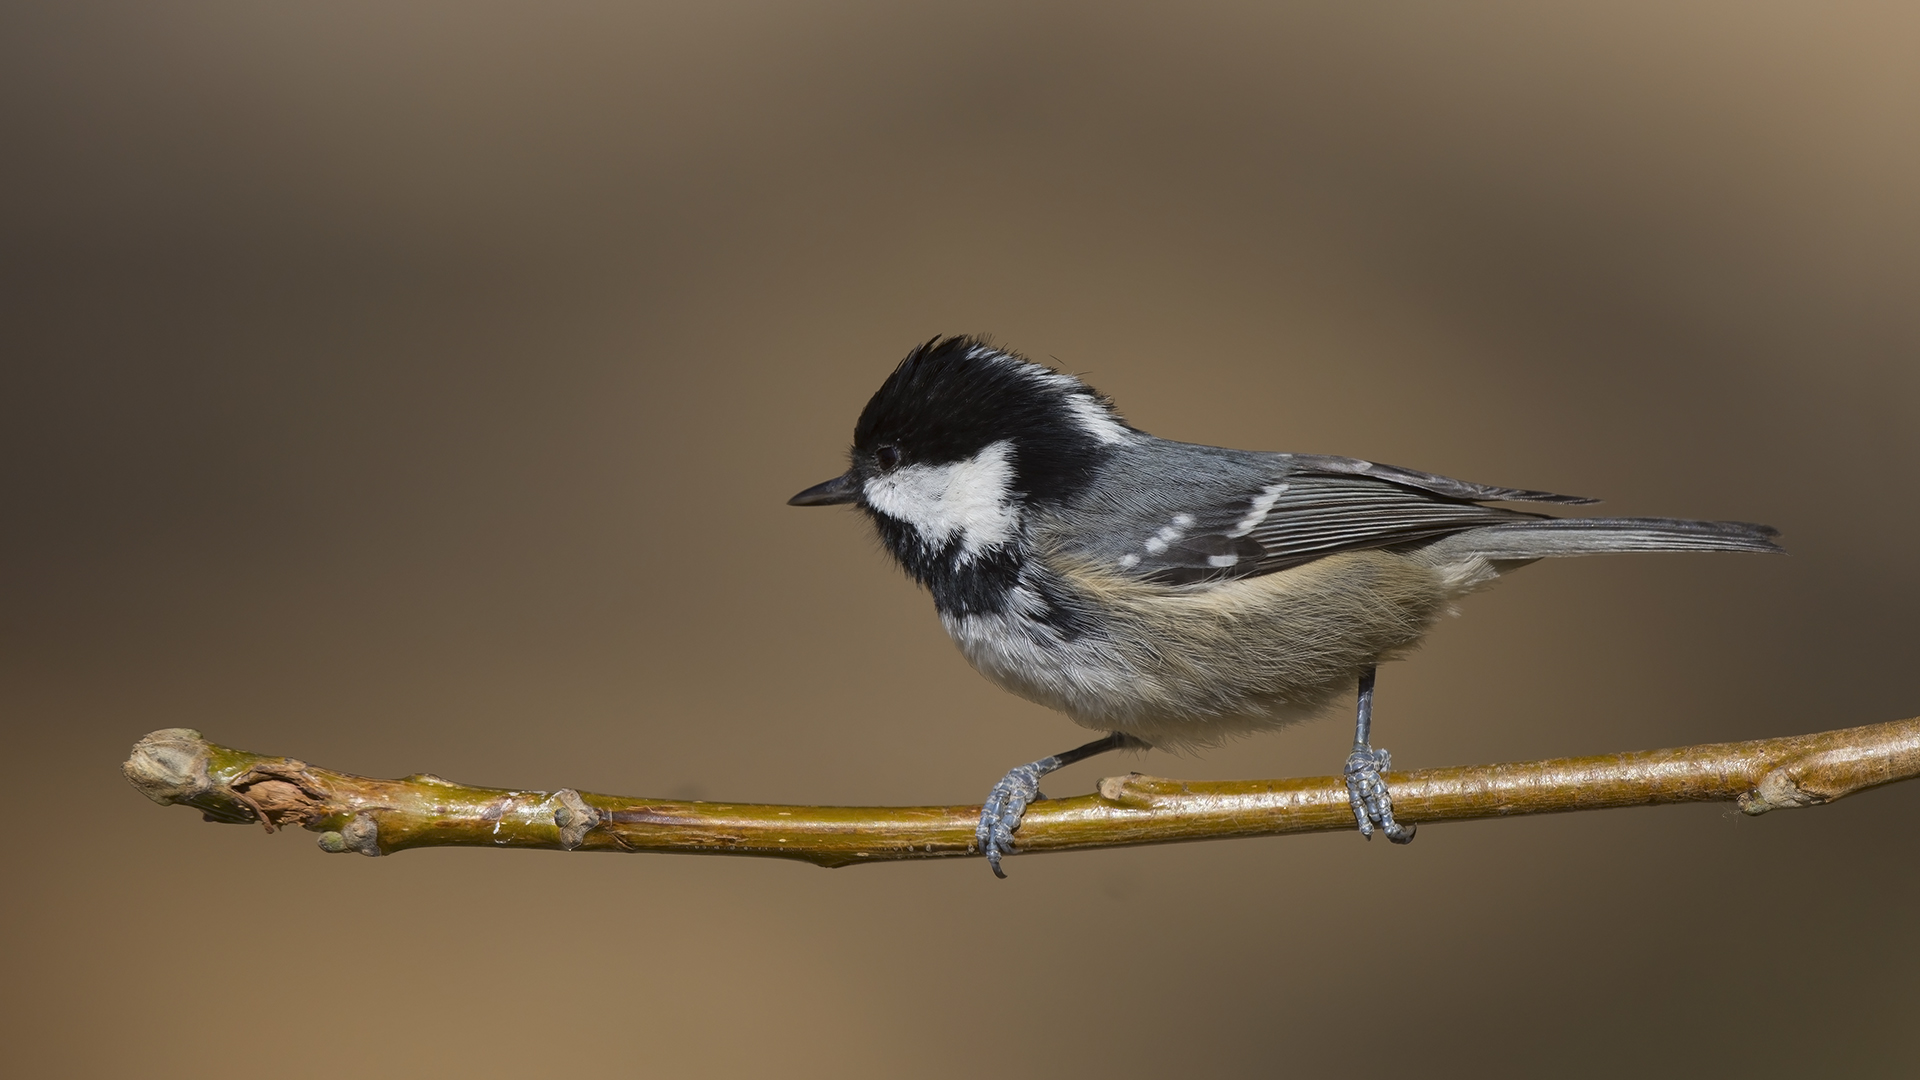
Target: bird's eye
{"points": [[887, 457]]}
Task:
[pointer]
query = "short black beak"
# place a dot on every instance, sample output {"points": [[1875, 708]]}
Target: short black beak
{"points": [[840, 489]]}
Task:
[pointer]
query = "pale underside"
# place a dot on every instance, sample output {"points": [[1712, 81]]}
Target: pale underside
{"points": [[1189, 666]]}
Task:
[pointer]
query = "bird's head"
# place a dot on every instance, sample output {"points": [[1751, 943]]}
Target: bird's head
{"points": [[960, 441]]}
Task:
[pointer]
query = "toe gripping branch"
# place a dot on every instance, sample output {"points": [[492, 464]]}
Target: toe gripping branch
{"points": [[1365, 775], [1007, 803], [1367, 792]]}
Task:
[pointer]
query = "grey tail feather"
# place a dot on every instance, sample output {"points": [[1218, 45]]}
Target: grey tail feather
{"points": [[1553, 537]]}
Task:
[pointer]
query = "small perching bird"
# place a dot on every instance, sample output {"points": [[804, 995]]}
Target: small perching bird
{"points": [[1173, 594]]}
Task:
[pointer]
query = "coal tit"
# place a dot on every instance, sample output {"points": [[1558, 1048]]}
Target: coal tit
{"points": [[1172, 594]]}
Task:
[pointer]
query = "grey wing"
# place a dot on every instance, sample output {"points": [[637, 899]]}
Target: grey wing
{"points": [[1324, 465], [1308, 507]]}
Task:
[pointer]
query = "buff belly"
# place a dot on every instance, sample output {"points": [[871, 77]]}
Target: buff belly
{"points": [[1190, 666]]}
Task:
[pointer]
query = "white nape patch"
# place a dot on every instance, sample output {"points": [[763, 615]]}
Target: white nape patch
{"points": [[1262, 506], [971, 499], [1043, 376], [1092, 417], [1167, 535], [1096, 420]]}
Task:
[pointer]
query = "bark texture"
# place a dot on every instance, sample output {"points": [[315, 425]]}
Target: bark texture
{"points": [[380, 817]]}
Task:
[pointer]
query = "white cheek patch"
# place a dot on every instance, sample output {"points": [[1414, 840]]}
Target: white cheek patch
{"points": [[971, 499]]}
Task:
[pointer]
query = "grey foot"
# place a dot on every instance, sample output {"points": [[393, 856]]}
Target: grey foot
{"points": [[1006, 805], [1367, 793], [1007, 802]]}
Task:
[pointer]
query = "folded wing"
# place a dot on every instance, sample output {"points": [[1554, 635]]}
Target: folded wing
{"points": [[1312, 506]]}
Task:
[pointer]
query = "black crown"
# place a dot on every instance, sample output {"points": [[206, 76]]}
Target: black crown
{"points": [[953, 397]]}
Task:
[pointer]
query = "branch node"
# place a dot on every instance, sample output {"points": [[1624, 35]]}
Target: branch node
{"points": [[361, 834], [1778, 790], [170, 766], [574, 818], [1138, 791], [1822, 777]]}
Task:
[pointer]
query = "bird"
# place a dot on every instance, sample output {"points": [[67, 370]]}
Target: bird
{"points": [[1176, 595]]}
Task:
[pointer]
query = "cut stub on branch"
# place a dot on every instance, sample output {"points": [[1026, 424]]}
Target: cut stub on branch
{"points": [[379, 817]]}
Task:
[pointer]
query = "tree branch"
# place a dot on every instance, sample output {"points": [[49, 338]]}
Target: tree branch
{"points": [[379, 817]]}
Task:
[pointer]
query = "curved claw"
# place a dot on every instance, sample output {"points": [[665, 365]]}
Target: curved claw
{"points": [[1006, 804], [1367, 794]]}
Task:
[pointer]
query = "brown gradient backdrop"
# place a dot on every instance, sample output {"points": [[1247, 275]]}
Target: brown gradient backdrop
{"points": [[417, 388]]}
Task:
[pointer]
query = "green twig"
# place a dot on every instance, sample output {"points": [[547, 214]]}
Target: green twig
{"points": [[379, 817]]}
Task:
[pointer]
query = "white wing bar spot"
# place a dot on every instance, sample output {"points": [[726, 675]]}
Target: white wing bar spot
{"points": [[1167, 535], [1262, 506]]}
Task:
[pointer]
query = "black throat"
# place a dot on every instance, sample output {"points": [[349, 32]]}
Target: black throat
{"points": [[1001, 581], [979, 585]]}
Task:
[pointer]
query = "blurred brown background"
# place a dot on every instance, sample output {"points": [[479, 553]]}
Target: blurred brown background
{"points": [[418, 387]]}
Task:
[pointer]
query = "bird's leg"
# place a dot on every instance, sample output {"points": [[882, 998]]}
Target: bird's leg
{"points": [[1366, 787], [1007, 802]]}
